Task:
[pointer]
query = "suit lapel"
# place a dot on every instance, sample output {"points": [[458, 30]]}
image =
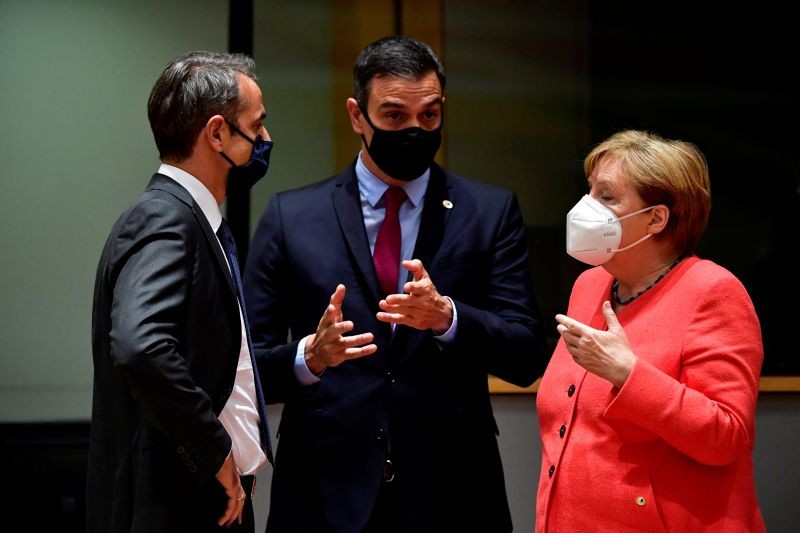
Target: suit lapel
{"points": [[347, 204], [429, 238], [211, 238], [171, 186], [434, 217]]}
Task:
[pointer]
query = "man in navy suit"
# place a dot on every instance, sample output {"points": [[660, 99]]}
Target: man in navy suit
{"points": [[178, 428], [402, 286]]}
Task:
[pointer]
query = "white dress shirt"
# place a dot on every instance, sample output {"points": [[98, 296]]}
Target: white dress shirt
{"points": [[240, 416], [371, 189]]}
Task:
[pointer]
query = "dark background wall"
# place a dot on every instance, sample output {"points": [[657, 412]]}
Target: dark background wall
{"points": [[533, 84], [720, 76]]}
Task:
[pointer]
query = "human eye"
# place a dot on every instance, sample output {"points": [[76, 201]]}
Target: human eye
{"points": [[604, 194]]}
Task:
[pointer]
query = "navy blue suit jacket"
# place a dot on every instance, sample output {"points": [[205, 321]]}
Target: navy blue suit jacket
{"points": [[425, 403]]}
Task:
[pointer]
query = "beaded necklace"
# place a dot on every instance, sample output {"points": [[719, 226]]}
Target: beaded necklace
{"points": [[615, 285]]}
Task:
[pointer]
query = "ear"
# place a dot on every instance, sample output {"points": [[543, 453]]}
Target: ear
{"points": [[355, 116], [658, 219], [215, 132]]}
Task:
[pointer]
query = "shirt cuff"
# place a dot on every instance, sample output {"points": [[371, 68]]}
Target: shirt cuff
{"points": [[301, 371], [450, 334]]}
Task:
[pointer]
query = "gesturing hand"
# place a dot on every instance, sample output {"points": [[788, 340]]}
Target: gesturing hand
{"points": [[422, 307], [607, 354], [329, 346]]}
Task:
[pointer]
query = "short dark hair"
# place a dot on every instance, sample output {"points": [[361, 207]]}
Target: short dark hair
{"points": [[193, 88], [397, 55]]}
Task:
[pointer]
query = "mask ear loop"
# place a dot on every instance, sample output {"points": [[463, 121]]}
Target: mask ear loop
{"points": [[371, 125], [240, 132], [615, 250], [623, 217], [366, 116]]}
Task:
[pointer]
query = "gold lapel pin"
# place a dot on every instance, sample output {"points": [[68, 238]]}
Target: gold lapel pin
{"points": [[448, 204]]}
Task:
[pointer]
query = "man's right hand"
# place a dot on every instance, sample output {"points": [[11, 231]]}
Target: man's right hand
{"points": [[328, 346], [228, 477]]}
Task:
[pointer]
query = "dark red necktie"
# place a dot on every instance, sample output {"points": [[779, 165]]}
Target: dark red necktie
{"points": [[387, 245]]}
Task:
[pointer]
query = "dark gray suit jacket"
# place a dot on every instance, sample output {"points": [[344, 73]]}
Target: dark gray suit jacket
{"points": [[166, 337]]}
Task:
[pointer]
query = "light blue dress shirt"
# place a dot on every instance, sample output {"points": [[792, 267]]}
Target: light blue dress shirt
{"points": [[371, 189]]}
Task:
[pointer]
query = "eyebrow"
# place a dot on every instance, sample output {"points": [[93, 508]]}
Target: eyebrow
{"points": [[391, 105], [260, 118], [601, 182], [437, 100]]}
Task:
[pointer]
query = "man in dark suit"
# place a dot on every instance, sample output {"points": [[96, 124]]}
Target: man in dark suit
{"points": [[178, 420], [422, 284]]}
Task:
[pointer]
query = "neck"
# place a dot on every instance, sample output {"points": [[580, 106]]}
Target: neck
{"points": [[206, 173], [624, 293], [640, 265]]}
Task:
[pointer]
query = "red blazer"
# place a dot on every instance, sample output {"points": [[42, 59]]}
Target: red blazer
{"points": [[672, 449]]}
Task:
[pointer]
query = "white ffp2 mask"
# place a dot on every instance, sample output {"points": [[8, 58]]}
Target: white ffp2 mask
{"points": [[594, 231]]}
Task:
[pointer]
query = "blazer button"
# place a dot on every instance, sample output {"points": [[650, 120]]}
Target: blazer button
{"points": [[641, 501], [552, 470], [571, 391], [562, 430]]}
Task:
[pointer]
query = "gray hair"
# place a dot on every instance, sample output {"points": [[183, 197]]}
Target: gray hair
{"points": [[193, 88]]}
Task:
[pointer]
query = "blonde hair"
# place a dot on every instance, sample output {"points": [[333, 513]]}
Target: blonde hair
{"points": [[663, 171]]}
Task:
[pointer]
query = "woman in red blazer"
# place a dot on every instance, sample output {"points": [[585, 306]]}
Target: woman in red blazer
{"points": [[647, 406]]}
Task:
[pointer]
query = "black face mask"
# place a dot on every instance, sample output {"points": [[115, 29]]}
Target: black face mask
{"points": [[403, 154], [242, 178]]}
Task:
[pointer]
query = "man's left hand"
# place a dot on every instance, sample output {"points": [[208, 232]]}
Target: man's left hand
{"points": [[421, 307]]}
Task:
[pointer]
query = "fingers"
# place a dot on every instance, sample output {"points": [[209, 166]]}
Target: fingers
{"points": [[611, 317], [417, 270], [234, 507], [564, 319], [566, 325], [354, 341], [330, 346], [338, 296], [417, 312], [332, 328], [333, 313], [394, 318], [347, 348], [360, 351], [228, 477]]}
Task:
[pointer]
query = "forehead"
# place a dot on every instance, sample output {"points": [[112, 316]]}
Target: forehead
{"points": [[250, 93], [609, 173], [397, 89]]}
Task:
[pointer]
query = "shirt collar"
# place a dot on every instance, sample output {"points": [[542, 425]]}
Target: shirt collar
{"points": [[372, 187], [201, 195]]}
